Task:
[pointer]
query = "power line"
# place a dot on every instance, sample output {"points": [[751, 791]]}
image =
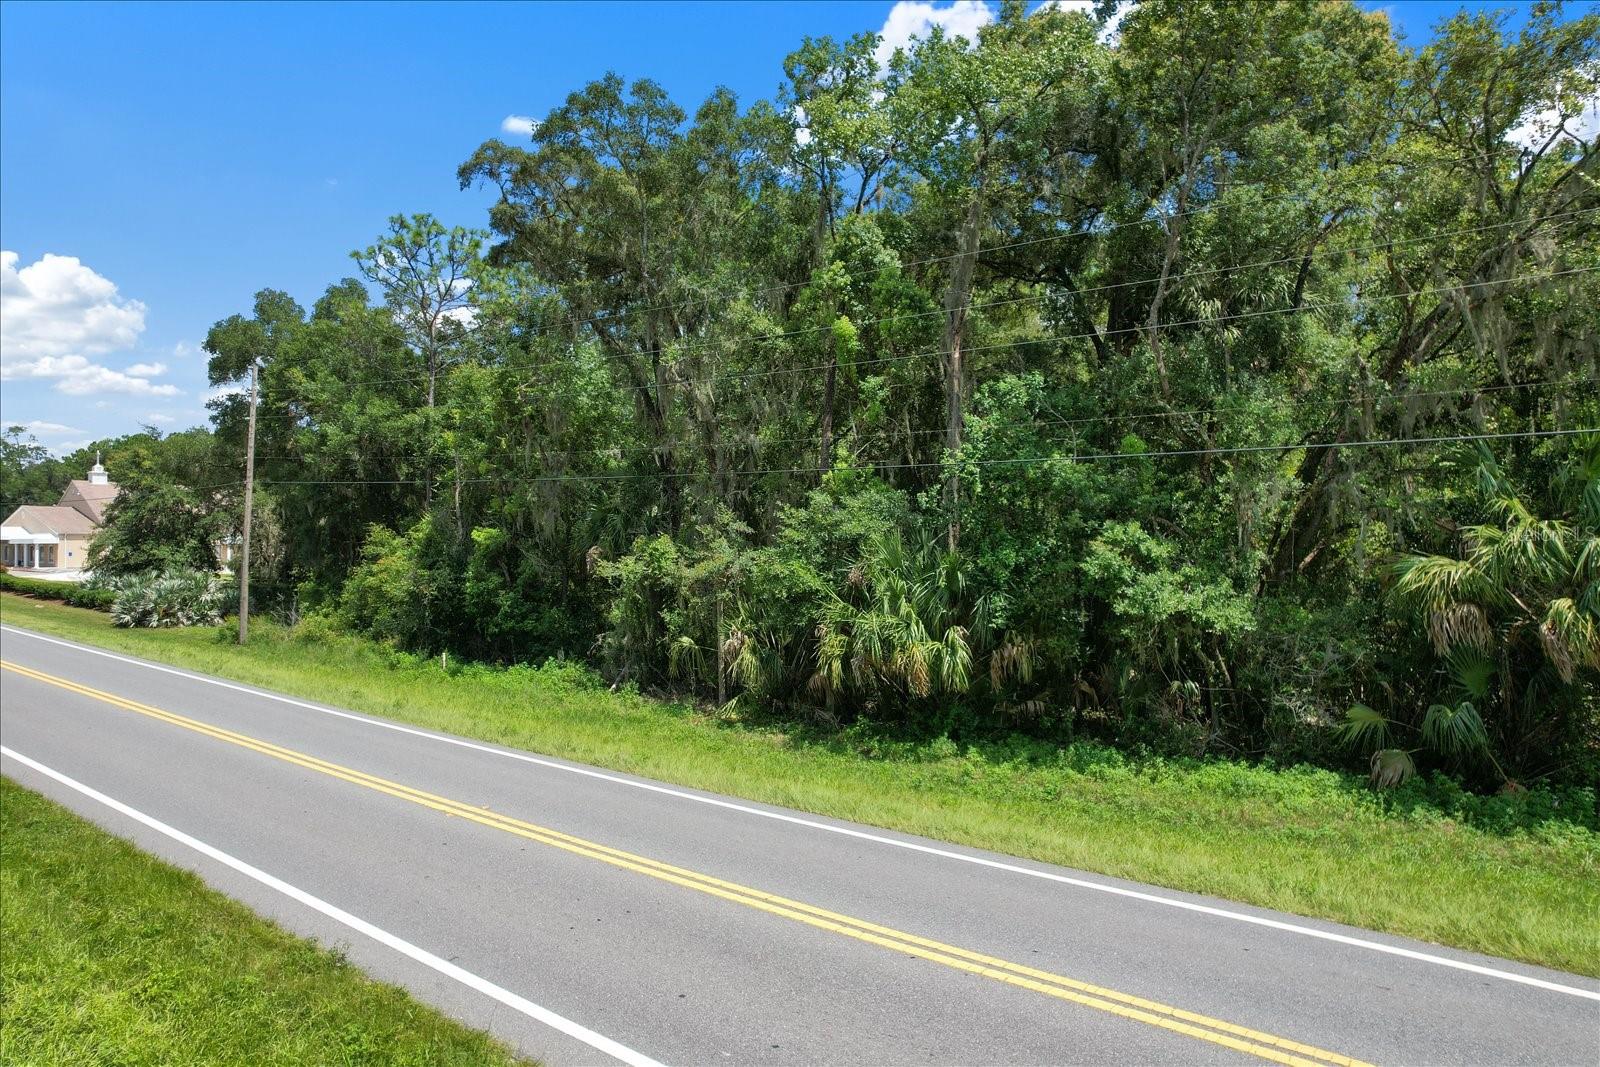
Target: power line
{"points": [[1029, 298], [1354, 301], [811, 438], [919, 465]]}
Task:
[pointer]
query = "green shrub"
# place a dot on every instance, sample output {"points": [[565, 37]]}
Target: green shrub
{"points": [[154, 525], [174, 597], [82, 596]]}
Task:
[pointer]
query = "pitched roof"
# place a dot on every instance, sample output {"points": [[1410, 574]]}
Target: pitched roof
{"points": [[53, 518], [90, 498]]}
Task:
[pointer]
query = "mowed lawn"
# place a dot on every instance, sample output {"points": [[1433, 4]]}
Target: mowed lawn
{"points": [[1518, 878], [109, 956]]}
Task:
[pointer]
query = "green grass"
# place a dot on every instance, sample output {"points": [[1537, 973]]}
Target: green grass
{"points": [[112, 957], [1514, 878]]}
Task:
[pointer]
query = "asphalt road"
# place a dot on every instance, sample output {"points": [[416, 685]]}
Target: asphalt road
{"points": [[589, 917]]}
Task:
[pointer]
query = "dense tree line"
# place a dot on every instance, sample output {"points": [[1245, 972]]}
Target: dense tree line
{"points": [[1043, 383]]}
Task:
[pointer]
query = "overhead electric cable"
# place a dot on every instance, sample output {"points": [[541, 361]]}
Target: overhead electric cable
{"points": [[869, 468], [551, 364], [1085, 420]]}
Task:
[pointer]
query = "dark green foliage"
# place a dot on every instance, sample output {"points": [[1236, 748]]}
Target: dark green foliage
{"points": [[156, 526], [28, 473], [392, 594], [1514, 619], [67, 592]]}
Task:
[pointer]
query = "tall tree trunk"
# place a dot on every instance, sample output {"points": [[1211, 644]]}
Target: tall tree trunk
{"points": [[460, 531], [957, 299], [825, 456], [649, 389], [1169, 256], [665, 452], [249, 508], [431, 356], [829, 383], [722, 677]]}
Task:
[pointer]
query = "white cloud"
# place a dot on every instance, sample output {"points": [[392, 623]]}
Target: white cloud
{"points": [[58, 306], [218, 392], [76, 376], [55, 314], [40, 426], [465, 316], [802, 125], [68, 447], [155, 418], [910, 19], [520, 125], [1113, 27], [1536, 127]]}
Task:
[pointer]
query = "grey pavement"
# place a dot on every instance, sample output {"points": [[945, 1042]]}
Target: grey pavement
{"points": [[682, 976]]}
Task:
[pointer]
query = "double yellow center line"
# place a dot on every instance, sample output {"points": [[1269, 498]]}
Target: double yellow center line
{"points": [[1191, 1024]]}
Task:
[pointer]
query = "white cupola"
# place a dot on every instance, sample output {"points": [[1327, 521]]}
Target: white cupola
{"points": [[97, 473]]}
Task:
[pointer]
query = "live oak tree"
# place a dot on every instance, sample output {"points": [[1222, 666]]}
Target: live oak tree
{"points": [[155, 525], [843, 140], [973, 118]]}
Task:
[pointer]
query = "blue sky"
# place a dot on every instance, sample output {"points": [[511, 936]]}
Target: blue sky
{"points": [[187, 155]]}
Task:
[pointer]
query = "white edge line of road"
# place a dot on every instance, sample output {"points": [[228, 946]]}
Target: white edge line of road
{"points": [[361, 926], [1081, 883]]}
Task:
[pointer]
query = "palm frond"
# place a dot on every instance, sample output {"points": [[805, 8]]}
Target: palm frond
{"points": [[1362, 727], [685, 657], [1569, 637], [1390, 767], [1472, 670], [955, 661], [1435, 581], [1012, 661], [1456, 731], [1457, 626]]}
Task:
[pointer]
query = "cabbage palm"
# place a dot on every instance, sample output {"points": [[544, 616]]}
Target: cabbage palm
{"points": [[906, 628], [1515, 619]]}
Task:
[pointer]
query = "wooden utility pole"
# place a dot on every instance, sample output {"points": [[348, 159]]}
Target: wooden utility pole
{"points": [[249, 502]]}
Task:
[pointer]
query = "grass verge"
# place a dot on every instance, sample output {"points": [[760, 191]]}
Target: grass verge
{"points": [[113, 957], [1518, 878]]}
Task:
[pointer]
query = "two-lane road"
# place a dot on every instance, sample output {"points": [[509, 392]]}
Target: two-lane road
{"points": [[587, 916]]}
